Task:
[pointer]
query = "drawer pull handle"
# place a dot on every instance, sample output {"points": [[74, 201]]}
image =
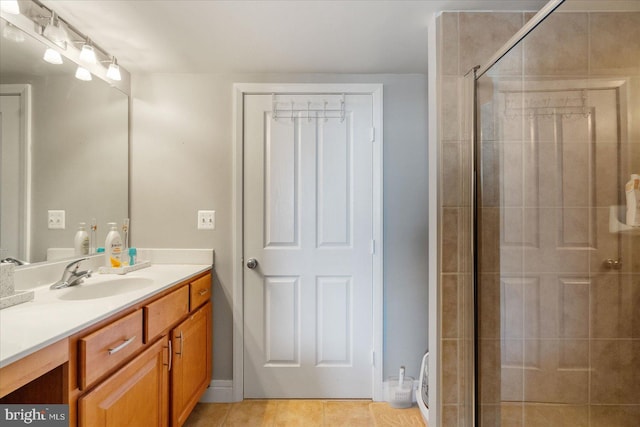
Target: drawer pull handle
{"points": [[121, 346], [181, 338], [203, 291]]}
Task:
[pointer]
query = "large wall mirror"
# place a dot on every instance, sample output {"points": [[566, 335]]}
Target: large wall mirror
{"points": [[64, 147]]}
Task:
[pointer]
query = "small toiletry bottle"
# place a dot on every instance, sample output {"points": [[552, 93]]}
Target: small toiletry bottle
{"points": [[132, 256], [81, 241], [632, 190], [93, 241], [125, 235], [113, 247]]}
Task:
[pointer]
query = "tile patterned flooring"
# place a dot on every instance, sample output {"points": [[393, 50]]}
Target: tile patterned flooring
{"points": [[343, 413]]}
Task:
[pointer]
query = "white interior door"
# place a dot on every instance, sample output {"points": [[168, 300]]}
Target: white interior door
{"points": [[308, 221]]}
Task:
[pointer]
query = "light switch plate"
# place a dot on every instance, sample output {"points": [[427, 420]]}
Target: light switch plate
{"points": [[56, 220], [206, 220]]}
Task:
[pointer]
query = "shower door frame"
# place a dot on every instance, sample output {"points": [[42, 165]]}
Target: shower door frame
{"points": [[475, 182]]}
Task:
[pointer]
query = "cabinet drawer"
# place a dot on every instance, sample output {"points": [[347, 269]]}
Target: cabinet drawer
{"points": [[136, 395], [165, 312], [107, 347], [200, 290]]}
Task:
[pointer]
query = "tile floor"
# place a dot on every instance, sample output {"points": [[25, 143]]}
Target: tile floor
{"points": [[348, 413]]}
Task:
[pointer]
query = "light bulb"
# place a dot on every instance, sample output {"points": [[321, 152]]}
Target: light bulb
{"points": [[83, 74], [10, 6], [55, 32], [88, 55], [52, 56], [114, 71]]}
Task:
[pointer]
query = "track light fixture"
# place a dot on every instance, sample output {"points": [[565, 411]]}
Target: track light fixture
{"points": [[52, 27], [113, 72], [88, 54], [55, 32]]}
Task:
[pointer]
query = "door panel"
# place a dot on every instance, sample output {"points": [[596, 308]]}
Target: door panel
{"points": [[308, 222]]}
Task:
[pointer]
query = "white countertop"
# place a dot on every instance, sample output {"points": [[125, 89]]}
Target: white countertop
{"points": [[28, 327]]}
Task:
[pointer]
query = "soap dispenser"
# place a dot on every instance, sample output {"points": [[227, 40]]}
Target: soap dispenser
{"points": [[81, 241], [113, 247]]}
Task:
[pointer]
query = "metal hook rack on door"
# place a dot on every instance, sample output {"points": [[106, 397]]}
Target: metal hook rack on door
{"points": [[292, 112]]}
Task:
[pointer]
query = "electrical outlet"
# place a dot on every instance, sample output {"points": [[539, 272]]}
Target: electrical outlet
{"points": [[206, 220], [56, 220]]}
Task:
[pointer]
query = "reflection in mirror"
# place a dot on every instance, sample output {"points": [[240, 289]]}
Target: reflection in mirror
{"points": [[64, 147]]}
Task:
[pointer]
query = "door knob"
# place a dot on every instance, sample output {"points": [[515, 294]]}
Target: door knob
{"points": [[615, 264], [252, 263]]}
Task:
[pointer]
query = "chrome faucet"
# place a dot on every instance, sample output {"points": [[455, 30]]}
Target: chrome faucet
{"points": [[71, 276], [16, 261]]}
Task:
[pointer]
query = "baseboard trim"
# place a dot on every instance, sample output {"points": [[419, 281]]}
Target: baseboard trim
{"points": [[219, 391]]}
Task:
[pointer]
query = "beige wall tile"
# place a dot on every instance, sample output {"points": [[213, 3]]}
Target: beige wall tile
{"points": [[615, 42], [491, 176], [615, 303], [450, 372], [490, 415], [450, 114], [450, 306], [450, 241], [451, 174], [482, 34], [549, 383], [558, 46], [489, 229], [490, 371], [489, 308], [612, 415], [450, 41], [607, 187], [511, 414], [615, 377], [512, 385], [545, 415]]}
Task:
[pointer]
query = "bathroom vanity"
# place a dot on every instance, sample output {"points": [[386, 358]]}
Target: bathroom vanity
{"points": [[123, 350]]}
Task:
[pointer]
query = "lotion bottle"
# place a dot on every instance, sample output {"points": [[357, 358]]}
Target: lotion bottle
{"points": [[632, 190], [113, 247], [81, 241]]}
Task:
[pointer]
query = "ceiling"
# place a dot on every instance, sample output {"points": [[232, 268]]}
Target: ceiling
{"points": [[267, 36]]}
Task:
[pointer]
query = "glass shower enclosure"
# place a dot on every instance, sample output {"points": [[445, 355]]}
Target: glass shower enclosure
{"points": [[557, 267]]}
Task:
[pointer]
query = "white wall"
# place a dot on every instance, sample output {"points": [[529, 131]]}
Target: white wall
{"points": [[181, 161]]}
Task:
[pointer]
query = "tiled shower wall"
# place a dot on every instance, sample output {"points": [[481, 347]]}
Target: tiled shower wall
{"points": [[465, 39], [572, 44]]}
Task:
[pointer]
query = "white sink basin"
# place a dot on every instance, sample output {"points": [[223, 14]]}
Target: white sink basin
{"points": [[103, 288]]}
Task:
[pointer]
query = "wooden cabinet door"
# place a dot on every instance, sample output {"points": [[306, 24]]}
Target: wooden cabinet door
{"points": [[191, 372], [136, 395]]}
